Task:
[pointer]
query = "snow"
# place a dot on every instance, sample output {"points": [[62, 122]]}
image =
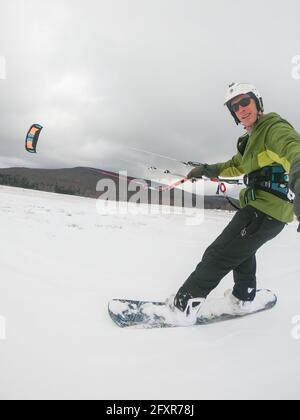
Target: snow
{"points": [[62, 261]]}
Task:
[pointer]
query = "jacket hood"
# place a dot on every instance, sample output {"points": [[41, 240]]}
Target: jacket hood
{"points": [[268, 120]]}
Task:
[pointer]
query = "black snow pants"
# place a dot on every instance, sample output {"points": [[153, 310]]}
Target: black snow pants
{"points": [[234, 250]]}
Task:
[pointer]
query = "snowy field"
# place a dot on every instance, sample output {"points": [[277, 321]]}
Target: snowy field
{"points": [[61, 262]]}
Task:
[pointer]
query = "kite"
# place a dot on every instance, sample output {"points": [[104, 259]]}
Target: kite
{"points": [[32, 138]]}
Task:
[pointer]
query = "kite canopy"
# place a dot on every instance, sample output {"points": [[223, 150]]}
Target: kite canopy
{"points": [[32, 138]]}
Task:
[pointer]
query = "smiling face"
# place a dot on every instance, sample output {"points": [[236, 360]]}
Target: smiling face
{"points": [[247, 115]]}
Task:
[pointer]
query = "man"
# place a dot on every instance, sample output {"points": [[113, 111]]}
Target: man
{"points": [[267, 152]]}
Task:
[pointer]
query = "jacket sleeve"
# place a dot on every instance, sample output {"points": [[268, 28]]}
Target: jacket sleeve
{"points": [[295, 177], [231, 168], [283, 146]]}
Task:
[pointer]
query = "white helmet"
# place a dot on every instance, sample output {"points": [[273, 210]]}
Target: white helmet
{"points": [[236, 89]]}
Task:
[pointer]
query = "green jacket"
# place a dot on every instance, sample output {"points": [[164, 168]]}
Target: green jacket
{"points": [[272, 141]]}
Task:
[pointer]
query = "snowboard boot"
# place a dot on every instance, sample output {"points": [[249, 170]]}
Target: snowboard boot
{"points": [[228, 305], [185, 315], [237, 306]]}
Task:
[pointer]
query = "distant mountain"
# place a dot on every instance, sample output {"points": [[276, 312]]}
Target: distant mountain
{"points": [[82, 181]]}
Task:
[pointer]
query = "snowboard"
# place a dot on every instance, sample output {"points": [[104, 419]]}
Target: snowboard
{"points": [[147, 314]]}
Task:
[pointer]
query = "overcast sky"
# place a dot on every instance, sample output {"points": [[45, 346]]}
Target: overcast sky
{"points": [[104, 76]]}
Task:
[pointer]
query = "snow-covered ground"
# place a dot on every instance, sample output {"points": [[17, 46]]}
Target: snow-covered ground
{"points": [[61, 262]]}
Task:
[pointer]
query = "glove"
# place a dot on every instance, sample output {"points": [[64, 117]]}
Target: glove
{"points": [[210, 171], [297, 199]]}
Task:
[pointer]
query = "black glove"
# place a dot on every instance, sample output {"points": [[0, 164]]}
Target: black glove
{"points": [[210, 171], [297, 199]]}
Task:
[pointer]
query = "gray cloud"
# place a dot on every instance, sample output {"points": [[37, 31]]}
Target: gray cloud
{"points": [[104, 76]]}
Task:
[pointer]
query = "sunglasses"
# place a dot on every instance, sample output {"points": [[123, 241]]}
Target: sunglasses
{"points": [[243, 102]]}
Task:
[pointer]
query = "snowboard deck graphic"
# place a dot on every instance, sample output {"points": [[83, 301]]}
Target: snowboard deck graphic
{"points": [[147, 314]]}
